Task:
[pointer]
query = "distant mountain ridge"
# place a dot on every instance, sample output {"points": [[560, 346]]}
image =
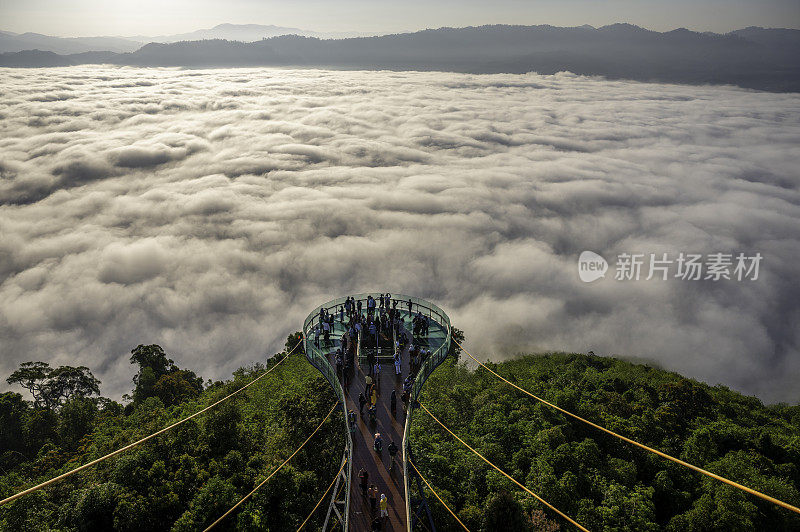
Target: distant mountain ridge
{"points": [[250, 33], [15, 42], [756, 58]]}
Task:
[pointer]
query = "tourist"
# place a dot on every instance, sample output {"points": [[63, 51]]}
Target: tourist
{"points": [[361, 402], [363, 478], [373, 498], [392, 453], [384, 506], [326, 332], [351, 420]]}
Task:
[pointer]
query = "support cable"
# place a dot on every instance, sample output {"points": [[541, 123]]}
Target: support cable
{"points": [[641, 445], [139, 442], [223, 516], [323, 496], [437, 496], [509, 477]]}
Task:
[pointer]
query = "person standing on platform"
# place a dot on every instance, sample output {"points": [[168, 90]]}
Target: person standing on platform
{"points": [[393, 401], [373, 498], [351, 421], [371, 361], [397, 369], [326, 332], [392, 453], [363, 481], [361, 402], [374, 397], [384, 506]]}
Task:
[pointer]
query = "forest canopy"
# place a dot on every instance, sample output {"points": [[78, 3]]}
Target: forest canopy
{"points": [[601, 482], [186, 478]]}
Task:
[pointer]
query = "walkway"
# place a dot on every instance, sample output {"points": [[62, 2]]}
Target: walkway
{"points": [[390, 424]]}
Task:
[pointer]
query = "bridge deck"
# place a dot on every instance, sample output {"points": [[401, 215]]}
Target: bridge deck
{"points": [[389, 424]]}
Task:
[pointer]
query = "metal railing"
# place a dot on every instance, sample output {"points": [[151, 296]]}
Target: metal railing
{"points": [[319, 360], [431, 363]]}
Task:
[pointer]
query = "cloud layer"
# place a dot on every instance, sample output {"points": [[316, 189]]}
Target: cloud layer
{"points": [[210, 211]]}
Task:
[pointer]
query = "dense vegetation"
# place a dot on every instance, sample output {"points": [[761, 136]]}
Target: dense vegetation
{"points": [[603, 483], [184, 479]]}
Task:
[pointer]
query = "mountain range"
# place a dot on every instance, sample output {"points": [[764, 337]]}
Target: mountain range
{"points": [[17, 42], [752, 57]]}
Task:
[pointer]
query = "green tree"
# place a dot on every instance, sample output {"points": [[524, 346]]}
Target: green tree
{"points": [[75, 420], [33, 377], [456, 334], [51, 388], [158, 376], [153, 364], [178, 386], [66, 382], [13, 411], [504, 512], [292, 340]]}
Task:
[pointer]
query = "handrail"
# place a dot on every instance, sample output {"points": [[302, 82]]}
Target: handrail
{"points": [[318, 359], [431, 363]]}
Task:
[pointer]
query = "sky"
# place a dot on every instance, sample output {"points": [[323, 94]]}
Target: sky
{"points": [[159, 17], [209, 211]]}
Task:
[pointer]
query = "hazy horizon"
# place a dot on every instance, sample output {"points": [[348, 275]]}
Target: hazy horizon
{"points": [[90, 18]]}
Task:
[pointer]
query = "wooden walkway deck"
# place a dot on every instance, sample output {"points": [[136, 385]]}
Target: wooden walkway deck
{"points": [[391, 426]]}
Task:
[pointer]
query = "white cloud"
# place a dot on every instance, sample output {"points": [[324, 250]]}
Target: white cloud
{"points": [[209, 211]]}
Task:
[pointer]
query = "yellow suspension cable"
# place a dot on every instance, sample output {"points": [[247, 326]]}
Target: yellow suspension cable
{"points": [[509, 477], [641, 445], [437, 496], [223, 516], [139, 442], [323, 496]]}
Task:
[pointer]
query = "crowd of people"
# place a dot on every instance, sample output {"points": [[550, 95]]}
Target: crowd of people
{"points": [[376, 322]]}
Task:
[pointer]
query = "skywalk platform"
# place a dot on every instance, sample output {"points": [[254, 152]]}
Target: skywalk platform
{"points": [[391, 424]]}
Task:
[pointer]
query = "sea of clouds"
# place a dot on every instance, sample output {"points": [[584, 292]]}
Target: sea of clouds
{"points": [[210, 211]]}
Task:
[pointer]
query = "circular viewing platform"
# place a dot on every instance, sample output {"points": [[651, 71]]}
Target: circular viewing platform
{"points": [[375, 347]]}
